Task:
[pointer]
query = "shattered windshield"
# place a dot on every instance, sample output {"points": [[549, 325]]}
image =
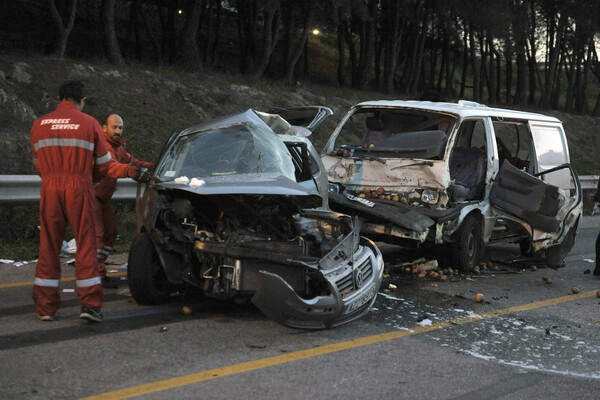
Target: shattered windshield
{"points": [[234, 152], [393, 132]]}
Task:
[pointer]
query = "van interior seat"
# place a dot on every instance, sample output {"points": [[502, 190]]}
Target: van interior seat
{"points": [[467, 168]]}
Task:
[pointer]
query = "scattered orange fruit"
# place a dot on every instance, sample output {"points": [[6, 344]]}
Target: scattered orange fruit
{"points": [[575, 290], [479, 298], [186, 310]]}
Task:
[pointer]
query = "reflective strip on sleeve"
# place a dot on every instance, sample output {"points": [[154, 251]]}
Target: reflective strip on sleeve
{"points": [[64, 142], [104, 159], [89, 282], [46, 282]]}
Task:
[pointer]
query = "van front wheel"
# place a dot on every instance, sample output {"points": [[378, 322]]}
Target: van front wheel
{"points": [[467, 248]]}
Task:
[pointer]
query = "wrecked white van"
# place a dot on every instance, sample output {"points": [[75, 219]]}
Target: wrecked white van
{"points": [[457, 174]]}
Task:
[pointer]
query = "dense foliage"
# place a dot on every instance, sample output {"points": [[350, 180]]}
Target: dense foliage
{"points": [[524, 52]]}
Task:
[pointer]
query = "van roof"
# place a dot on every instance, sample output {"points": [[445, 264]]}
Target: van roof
{"points": [[462, 109]]}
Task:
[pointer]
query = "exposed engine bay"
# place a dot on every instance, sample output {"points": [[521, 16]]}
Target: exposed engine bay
{"points": [[226, 239]]}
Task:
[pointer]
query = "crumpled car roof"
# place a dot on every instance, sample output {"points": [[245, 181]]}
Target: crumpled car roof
{"points": [[252, 184]]}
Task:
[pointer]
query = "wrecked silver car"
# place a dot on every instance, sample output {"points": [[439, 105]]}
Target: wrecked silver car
{"points": [[237, 208], [456, 174]]}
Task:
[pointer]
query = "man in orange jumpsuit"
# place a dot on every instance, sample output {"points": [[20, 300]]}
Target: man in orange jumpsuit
{"points": [[67, 146], [106, 225]]}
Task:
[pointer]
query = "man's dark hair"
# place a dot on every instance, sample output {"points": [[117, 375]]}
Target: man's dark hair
{"points": [[71, 90]]}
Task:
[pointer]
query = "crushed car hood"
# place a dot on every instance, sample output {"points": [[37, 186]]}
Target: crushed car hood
{"points": [[260, 184]]}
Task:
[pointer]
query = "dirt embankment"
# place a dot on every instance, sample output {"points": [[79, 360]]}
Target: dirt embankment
{"points": [[155, 102]]}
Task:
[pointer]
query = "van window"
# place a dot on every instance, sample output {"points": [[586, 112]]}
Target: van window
{"points": [[514, 143], [551, 151], [549, 146], [471, 134]]}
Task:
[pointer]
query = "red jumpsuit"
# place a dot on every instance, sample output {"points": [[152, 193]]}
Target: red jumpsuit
{"points": [[105, 222], [67, 146]]}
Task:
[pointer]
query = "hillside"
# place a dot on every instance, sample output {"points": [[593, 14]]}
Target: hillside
{"points": [[155, 102]]}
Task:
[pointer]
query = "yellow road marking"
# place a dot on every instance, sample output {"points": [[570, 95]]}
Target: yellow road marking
{"points": [[70, 279], [322, 350]]}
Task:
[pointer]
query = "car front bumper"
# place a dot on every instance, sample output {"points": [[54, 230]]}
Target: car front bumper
{"points": [[353, 288]]}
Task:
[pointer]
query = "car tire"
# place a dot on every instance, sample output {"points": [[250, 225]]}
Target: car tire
{"points": [[467, 248], [148, 283]]}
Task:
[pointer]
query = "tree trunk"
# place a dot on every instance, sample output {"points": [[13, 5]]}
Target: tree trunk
{"points": [[191, 59], [169, 32], [474, 68], [155, 42], [519, 27], [63, 31], [352, 50], [310, 11], [107, 13], [213, 17], [418, 55], [492, 84], [532, 55], [555, 43], [508, 66], [270, 35], [367, 45], [341, 75], [246, 34], [465, 64], [391, 38]]}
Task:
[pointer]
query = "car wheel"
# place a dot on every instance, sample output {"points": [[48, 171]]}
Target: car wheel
{"points": [[467, 248], [148, 283]]}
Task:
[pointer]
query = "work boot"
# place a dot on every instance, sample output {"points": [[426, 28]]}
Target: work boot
{"points": [[597, 271], [91, 315], [109, 283], [45, 318]]}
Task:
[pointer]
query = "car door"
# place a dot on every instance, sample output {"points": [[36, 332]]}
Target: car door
{"points": [[532, 186]]}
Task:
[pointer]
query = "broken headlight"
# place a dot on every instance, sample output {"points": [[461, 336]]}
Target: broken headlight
{"points": [[430, 196]]}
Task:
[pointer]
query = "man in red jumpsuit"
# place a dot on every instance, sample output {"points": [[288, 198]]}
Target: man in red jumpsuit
{"points": [[105, 222], [67, 146]]}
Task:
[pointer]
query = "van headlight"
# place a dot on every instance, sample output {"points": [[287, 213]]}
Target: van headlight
{"points": [[430, 196]]}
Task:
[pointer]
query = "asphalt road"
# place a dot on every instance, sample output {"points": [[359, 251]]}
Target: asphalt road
{"points": [[425, 339]]}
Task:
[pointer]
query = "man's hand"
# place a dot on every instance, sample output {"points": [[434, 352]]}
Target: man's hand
{"points": [[596, 209], [133, 171], [143, 175]]}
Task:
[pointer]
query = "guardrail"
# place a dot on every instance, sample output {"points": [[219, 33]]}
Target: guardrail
{"points": [[588, 182], [23, 189]]}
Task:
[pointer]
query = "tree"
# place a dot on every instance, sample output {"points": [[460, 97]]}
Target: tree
{"points": [[367, 32], [107, 17], [63, 31], [391, 36], [308, 10], [189, 42]]}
